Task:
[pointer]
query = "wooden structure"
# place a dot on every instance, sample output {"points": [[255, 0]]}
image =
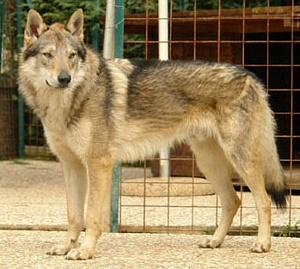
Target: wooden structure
{"points": [[251, 37], [215, 35]]}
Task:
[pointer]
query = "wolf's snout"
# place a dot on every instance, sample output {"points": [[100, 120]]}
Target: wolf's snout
{"points": [[64, 78]]}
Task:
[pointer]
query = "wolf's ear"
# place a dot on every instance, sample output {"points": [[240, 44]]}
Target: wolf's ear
{"points": [[34, 26], [75, 24]]}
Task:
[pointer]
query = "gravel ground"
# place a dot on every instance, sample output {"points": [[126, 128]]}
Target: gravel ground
{"points": [[23, 249], [32, 195]]}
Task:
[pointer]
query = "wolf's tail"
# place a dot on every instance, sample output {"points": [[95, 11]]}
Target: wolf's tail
{"points": [[267, 154], [275, 182], [278, 194]]}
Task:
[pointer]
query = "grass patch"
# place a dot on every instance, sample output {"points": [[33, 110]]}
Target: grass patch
{"points": [[289, 231], [19, 161]]}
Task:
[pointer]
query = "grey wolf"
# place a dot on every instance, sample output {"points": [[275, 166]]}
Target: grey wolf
{"points": [[96, 112]]}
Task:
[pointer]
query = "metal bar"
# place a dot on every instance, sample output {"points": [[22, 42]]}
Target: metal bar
{"points": [[116, 180], [1, 30], [95, 30], [21, 125], [147, 29], [292, 114], [115, 194], [119, 28]]}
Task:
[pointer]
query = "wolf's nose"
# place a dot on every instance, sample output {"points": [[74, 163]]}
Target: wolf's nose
{"points": [[64, 78]]}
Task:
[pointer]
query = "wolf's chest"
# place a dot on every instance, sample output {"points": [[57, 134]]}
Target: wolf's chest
{"points": [[75, 139]]}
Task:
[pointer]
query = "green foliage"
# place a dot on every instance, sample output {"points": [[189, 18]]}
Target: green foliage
{"points": [[60, 11], [9, 59], [140, 6], [134, 50], [19, 161], [214, 4], [290, 231]]}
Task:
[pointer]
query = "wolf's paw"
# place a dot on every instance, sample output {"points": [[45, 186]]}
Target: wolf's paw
{"points": [[261, 246], [210, 243], [59, 250], [80, 254]]}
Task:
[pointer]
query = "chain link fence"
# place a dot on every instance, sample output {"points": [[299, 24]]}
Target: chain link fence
{"points": [[8, 85]]}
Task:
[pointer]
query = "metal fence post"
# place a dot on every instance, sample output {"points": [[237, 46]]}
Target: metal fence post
{"points": [[117, 169], [1, 30], [21, 126], [119, 28], [95, 31]]}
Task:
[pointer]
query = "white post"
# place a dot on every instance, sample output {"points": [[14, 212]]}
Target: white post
{"points": [[163, 30], [163, 37], [109, 31]]}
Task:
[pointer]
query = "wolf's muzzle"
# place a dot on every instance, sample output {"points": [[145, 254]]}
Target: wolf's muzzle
{"points": [[64, 78]]}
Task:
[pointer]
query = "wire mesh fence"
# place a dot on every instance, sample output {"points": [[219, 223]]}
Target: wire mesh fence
{"points": [[263, 36], [8, 121], [8, 88]]}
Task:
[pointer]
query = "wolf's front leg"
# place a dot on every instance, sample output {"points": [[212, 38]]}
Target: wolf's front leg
{"points": [[98, 210], [75, 175]]}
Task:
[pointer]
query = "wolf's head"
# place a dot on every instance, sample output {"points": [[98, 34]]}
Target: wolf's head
{"points": [[55, 53]]}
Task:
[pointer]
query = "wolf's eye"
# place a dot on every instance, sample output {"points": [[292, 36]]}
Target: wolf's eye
{"points": [[48, 55], [72, 55]]}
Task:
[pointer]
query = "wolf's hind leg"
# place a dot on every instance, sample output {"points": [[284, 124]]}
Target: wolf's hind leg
{"points": [[76, 186], [216, 168], [255, 181], [249, 164]]}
